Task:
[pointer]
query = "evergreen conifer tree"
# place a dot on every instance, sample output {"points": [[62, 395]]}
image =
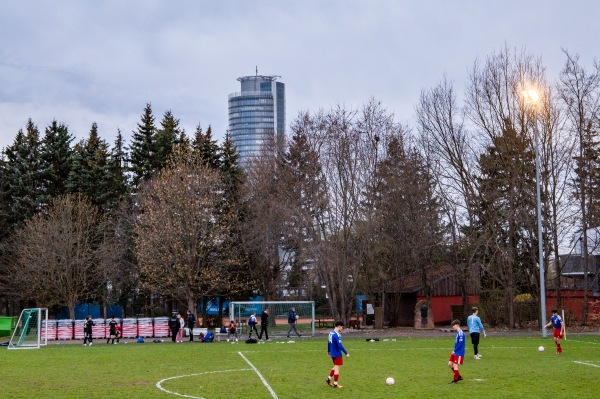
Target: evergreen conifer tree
{"points": [[23, 178], [117, 168], [204, 146], [90, 173], [143, 148], [56, 154], [167, 137]]}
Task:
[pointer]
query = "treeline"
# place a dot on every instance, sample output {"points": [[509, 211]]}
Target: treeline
{"points": [[351, 202]]}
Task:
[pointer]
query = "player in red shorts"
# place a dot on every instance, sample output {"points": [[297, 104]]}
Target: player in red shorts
{"points": [[335, 349], [458, 354], [557, 322]]}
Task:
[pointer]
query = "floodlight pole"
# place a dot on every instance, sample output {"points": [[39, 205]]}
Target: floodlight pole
{"points": [[539, 221]]}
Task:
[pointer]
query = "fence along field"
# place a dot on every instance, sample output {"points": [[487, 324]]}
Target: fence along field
{"points": [[511, 367]]}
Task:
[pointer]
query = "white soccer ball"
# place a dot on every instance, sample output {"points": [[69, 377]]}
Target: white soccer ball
{"points": [[541, 348], [390, 381]]}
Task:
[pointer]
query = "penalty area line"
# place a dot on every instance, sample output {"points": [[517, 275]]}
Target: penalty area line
{"points": [[265, 383]]}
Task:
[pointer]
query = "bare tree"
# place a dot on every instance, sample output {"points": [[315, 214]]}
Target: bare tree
{"points": [[179, 231], [453, 154], [349, 144], [580, 92], [58, 255], [269, 213]]}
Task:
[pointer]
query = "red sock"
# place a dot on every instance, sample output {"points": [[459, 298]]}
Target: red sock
{"points": [[456, 375], [335, 377], [331, 373]]}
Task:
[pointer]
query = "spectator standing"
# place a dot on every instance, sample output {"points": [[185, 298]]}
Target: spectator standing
{"points": [[252, 324], [181, 326], [174, 327], [191, 322], [475, 328], [292, 319], [264, 324], [232, 330]]}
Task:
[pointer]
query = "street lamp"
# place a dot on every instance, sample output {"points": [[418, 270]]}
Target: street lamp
{"points": [[532, 97]]}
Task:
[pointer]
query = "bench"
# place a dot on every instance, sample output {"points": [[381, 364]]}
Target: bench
{"points": [[197, 331], [325, 322]]}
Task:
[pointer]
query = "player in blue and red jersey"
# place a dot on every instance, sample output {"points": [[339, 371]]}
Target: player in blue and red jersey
{"points": [[335, 349], [557, 322], [458, 354]]}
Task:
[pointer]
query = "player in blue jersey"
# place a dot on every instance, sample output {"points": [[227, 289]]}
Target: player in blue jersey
{"points": [[335, 349], [475, 328], [458, 354], [557, 322]]}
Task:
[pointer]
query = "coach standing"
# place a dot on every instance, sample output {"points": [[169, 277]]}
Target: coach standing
{"points": [[174, 326], [191, 322], [475, 327], [264, 324]]}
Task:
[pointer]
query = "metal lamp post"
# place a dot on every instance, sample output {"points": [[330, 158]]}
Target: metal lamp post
{"points": [[531, 97]]}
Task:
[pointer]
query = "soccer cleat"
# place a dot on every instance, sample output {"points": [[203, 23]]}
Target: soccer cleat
{"points": [[453, 382], [337, 386], [460, 378], [476, 357], [328, 381], [91, 343], [84, 344]]}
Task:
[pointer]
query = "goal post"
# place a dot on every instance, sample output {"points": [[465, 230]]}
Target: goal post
{"points": [[31, 330], [278, 315]]}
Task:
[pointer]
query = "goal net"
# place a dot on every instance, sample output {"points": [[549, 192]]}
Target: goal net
{"points": [[278, 316], [30, 331]]}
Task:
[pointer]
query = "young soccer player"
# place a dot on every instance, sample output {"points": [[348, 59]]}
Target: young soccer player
{"points": [[335, 349], [458, 354], [87, 330], [475, 328], [112, 327], [557, 322]]}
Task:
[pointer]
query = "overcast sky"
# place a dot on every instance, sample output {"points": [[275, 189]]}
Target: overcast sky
{"points": [[101, 61]]}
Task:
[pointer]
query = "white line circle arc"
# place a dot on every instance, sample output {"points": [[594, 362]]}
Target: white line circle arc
{"points": [[159, 383]]}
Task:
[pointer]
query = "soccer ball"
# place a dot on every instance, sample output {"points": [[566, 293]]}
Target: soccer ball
{"points": [[541, 348], [389, 381]]}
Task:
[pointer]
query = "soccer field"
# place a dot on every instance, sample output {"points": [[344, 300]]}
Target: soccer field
{"points": [[511, 367]]}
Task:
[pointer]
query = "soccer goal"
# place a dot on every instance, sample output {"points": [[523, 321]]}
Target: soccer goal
{"points": [[278, 316], [31, 331]]}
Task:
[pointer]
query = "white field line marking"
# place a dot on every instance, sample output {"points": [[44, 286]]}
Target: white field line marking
{"points": [[265, 383], [395, 349], [159, 383], [586, 364], [585, 342]]}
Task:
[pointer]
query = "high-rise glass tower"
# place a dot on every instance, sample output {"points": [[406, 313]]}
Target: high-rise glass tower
{"points": [[256, 114]]}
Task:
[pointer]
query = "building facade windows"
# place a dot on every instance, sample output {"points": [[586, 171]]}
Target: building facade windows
{"points": [[256, 114]]}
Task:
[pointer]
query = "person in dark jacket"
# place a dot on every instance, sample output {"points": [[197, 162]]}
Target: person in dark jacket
{"points": [[264, 324], [112, 330], [87, 331], [174, 327], [292, 318], [191, 322]]}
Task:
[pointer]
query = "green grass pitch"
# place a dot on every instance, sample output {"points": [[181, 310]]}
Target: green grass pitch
{"points": [[511, 367]]}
